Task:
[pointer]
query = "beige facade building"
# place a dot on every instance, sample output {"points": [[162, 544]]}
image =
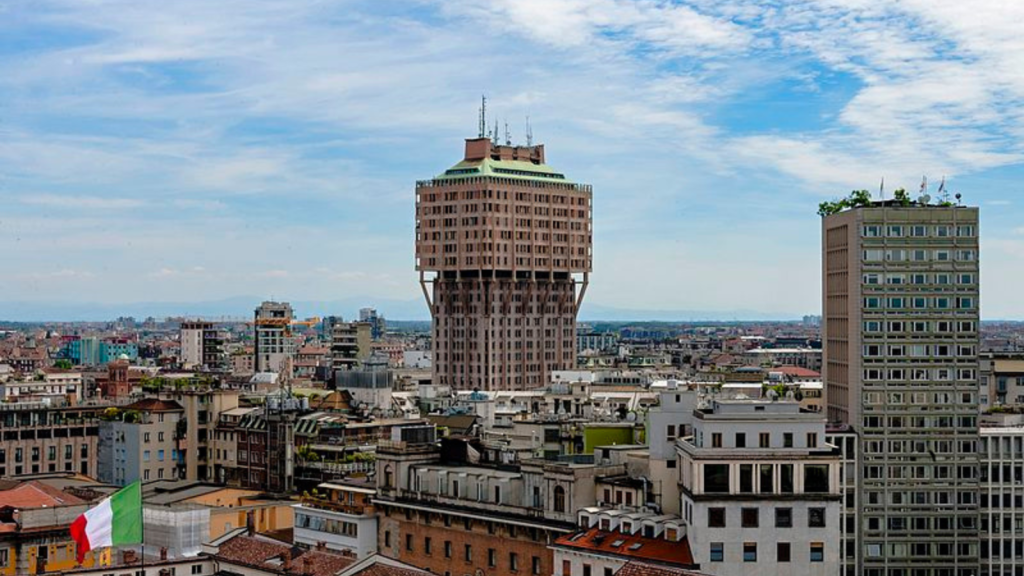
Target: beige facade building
{"points": [[40, 437], [504, 251], [351, 344], [197, 438]]}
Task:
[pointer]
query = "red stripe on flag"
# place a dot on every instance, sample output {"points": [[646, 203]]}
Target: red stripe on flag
{"points": [[79, 536]]}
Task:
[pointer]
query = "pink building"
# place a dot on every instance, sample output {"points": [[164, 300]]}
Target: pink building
{"points": [[503, 242]]}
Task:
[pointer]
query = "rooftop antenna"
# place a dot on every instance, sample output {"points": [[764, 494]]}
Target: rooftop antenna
{"points": [[943, 194], [508, 135], [483, 115], [881, 189], [495, 131], [529, 132]]}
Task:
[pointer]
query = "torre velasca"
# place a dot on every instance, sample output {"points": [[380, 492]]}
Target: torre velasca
{"points": [[504, 249]]}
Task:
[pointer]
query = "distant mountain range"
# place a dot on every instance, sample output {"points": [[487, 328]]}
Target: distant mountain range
{"points": [[241, 307]]}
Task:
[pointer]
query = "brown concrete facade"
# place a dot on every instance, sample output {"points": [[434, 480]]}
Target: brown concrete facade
{"points": [[459, 544], [502, 245]]}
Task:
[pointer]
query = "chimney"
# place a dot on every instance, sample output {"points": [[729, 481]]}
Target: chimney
{"points": [[321, 546], [307, 564], [163, 552], [286, 560], [250, 522], [128, 556]]}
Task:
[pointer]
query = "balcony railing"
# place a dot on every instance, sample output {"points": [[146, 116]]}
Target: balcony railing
{"points": [[343, 507]]}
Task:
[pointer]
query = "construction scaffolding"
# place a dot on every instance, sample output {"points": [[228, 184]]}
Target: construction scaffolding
{"points": [[181, 529]]}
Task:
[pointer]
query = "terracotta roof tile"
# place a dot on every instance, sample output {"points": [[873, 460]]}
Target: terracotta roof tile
{"points": [[796, 371], [630, 546], [381, 570], [34, 494], [377, 565], [266, 554]]}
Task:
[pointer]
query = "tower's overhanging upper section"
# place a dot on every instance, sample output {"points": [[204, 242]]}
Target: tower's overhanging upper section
{"points": [[503, 209]]}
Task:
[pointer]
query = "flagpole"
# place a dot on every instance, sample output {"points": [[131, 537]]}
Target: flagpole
{"points": [[142, 510]]}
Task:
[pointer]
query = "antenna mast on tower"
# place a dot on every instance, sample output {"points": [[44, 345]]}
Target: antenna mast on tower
{"points": [[529, 132], [508, 135], [483, 115]]}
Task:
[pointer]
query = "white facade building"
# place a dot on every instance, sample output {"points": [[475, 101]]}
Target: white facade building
{"points": [[670, 420], [1001, 501], [760, 490], [343, 520]]}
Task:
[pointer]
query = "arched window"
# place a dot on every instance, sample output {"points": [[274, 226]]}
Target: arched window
{"points": [[559, 499], [388, 477]]}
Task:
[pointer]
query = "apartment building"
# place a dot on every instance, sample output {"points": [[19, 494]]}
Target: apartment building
{"points": [[38, 437], [900, 301], [340, 516], [202, 346], [255, 448], [504, 250], [202, 407], [272, 336], [46, 385], [760, 489], [464, 506], [667, 422], [139, 442], [1002, 379], [375, 320], [351, 344]]}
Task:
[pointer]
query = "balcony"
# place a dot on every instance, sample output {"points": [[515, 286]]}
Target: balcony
{"points": [[310, 503]]}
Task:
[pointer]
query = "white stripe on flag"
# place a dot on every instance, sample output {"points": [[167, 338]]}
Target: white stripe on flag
{"points": [[99, 525]]}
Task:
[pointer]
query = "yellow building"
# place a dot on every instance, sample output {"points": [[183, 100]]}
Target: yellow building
{"points": [[230, 508], [35, 537]]}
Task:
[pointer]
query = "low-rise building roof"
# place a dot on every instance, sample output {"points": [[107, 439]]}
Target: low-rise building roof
{"points": [[34, 494], [275, 557], [653, 550], [377, 565]]}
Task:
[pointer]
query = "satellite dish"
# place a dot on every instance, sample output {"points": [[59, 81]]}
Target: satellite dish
{"points": [[925, 199], [631, 417]]}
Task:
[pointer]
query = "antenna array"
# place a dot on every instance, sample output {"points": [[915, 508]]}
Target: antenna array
{"points": [[483, 115]]}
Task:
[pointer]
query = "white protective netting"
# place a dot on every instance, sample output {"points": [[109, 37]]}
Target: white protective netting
{"points": [[181, 529]]}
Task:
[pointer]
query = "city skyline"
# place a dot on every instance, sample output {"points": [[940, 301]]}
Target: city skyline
{"points": [[206, 152]]}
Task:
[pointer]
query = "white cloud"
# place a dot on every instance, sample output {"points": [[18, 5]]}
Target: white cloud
{"points": [[259, 135], [79, 202], [275, 274]]}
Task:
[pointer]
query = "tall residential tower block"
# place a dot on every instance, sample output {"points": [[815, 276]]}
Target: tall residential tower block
{"points": [[503, 248], [900, 328]]}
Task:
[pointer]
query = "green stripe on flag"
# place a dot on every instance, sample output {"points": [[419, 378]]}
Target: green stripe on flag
{"points": [[126, 505]]}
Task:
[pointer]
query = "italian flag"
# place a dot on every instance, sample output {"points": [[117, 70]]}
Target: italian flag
{"points": [[115, 521]]}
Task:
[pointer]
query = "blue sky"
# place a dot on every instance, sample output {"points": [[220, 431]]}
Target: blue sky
{"points": [[194, 150]]}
